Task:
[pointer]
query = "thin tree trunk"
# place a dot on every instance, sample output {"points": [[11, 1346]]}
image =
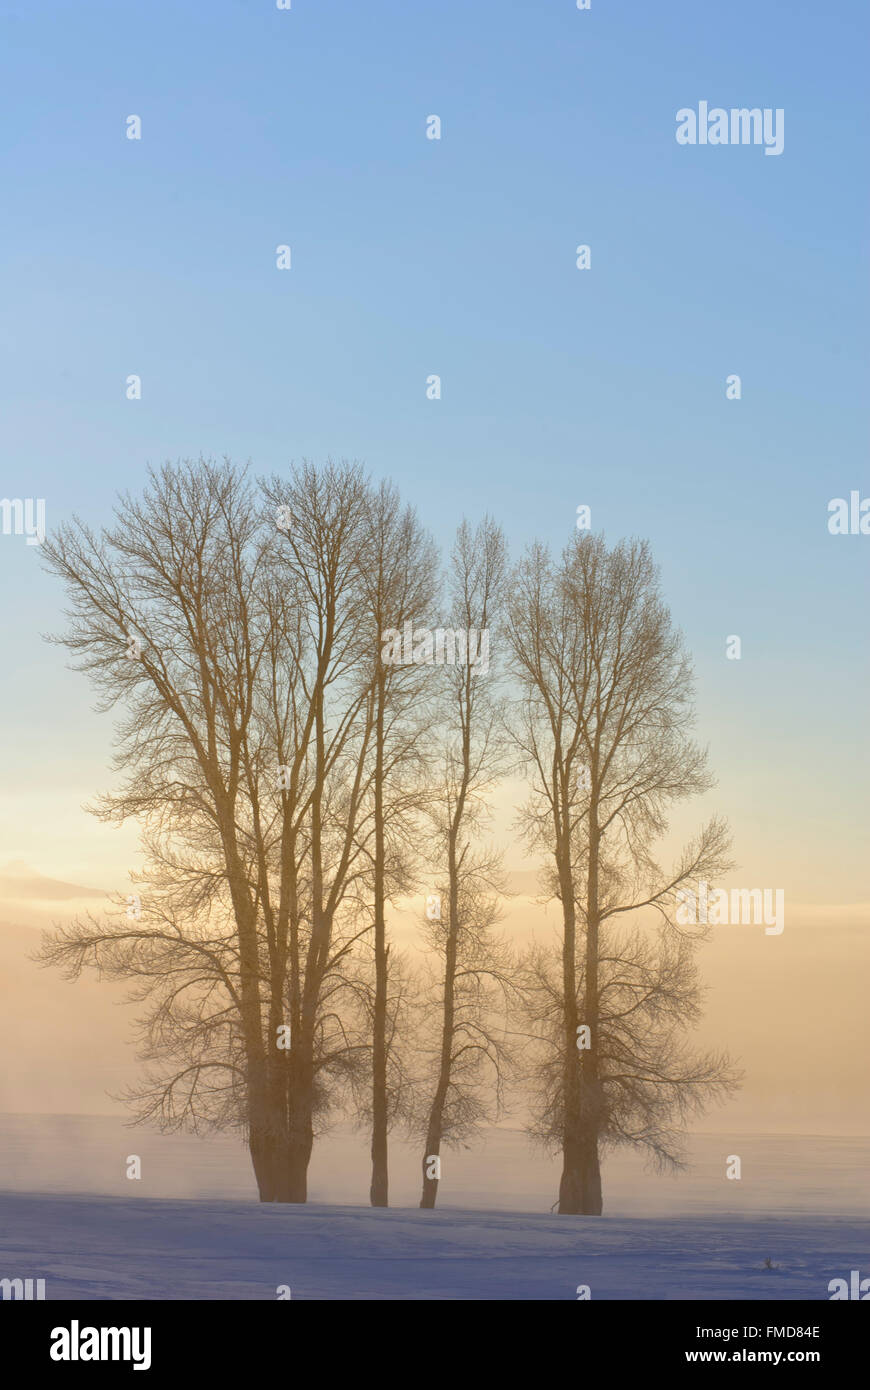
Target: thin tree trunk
{"points": [[297, 1138], [591, 1117], [300, 1128], [433, 1150], [379, 1190], [571, 1182], [277, 1084], [434, 1129]]}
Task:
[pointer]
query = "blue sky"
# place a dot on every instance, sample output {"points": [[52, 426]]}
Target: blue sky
{"points": [[456, 257]]}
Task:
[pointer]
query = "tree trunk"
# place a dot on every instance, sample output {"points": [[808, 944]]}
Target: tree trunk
{"points": [[294, 1178], [590, 1171], [303, 1003], [571, 1182], [591, 1099], [434, 1131], [261, 1132], [433, 1149], [379, 1190], [299, 1141]]}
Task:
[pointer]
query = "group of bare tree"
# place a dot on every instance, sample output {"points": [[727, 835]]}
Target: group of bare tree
{"points": [[293, 782]]}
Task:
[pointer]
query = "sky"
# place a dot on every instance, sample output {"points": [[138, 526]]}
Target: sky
{"points": [[410, 257]]}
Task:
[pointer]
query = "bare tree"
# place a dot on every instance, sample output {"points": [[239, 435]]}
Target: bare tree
{"points": [[274, 758], [651, 1080], [606, 706], [324, 756], [159, 622], [467, 989], [468, 1052], [232, 643], [399, 585]]}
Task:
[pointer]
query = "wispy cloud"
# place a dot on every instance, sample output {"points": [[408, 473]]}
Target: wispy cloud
{"points": [[19, 882]]}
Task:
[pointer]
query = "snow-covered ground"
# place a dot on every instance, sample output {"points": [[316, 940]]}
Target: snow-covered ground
{"points": [[193, 1229], [116, 1248]]}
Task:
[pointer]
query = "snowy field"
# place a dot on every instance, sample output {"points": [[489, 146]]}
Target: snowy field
{"points": [[194, 1231], [116, 1248]]}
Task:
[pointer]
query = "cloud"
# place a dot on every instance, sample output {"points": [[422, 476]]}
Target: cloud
{"points": [[20, 882]]}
